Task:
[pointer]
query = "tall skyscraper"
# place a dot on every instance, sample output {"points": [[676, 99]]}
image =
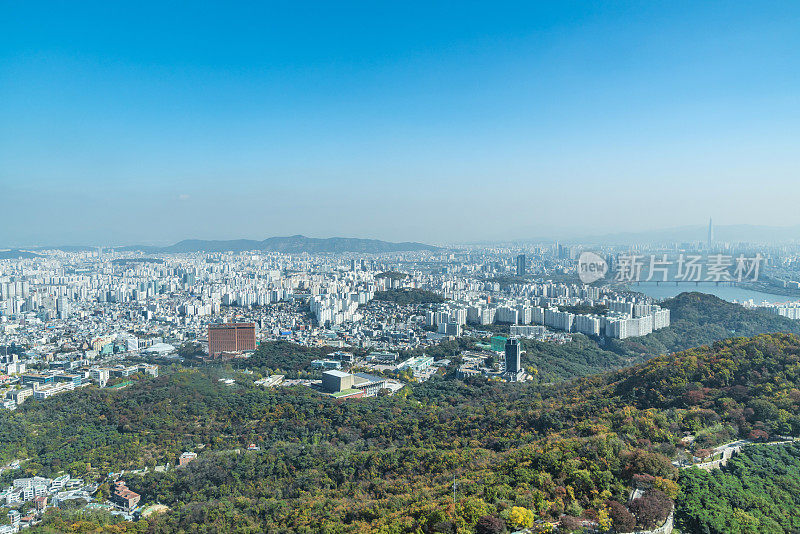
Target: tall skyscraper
{"points": [[710, 232], [513, 356], [521, 265]]}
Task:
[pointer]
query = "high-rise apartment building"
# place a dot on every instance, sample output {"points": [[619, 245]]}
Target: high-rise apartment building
{"points": [[521, 265], [231, 337]]}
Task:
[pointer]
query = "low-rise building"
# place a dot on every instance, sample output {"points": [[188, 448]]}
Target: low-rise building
{"points": [[336, 381], [416, 364], [45, 392], [100, 375], [186, 457], [124, 497], [19, 395]]}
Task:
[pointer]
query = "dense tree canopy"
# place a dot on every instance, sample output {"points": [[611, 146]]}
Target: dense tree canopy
{"points": [[285, 357], [758, 492], [408, 296]]}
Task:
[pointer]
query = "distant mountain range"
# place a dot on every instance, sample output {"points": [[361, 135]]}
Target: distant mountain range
{"points": [[291, 244], [737, 233]]}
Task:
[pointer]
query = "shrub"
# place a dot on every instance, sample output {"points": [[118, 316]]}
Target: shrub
{"points": [[621, 518], [489, 524], [651, 509]]}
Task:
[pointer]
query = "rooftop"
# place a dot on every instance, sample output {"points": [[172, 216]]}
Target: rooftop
{"points": [[338, 374], [365, 378], [345, 393]]}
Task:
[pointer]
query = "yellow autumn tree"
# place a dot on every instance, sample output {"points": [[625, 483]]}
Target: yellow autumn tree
{"points": [[521, 517], [604, 520], [667, 486]]}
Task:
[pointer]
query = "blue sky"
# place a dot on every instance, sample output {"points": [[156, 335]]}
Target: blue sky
{"points": [[402, 121]]}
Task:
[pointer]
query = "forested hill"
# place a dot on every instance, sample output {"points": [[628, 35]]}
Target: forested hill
{"points": [[408, 296], [701, 319], [729, 372], [705, 310], [387, 464]]}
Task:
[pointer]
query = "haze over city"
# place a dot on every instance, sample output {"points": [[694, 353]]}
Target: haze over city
{"points": [[407, 122], [400, 268]]}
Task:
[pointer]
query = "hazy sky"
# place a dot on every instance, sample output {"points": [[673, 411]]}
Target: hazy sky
{"points": [[403, 121]]}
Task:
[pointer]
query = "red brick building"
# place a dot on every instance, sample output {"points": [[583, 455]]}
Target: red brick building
{"points": [[124, 496], [231, 337], [186, 457]]}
